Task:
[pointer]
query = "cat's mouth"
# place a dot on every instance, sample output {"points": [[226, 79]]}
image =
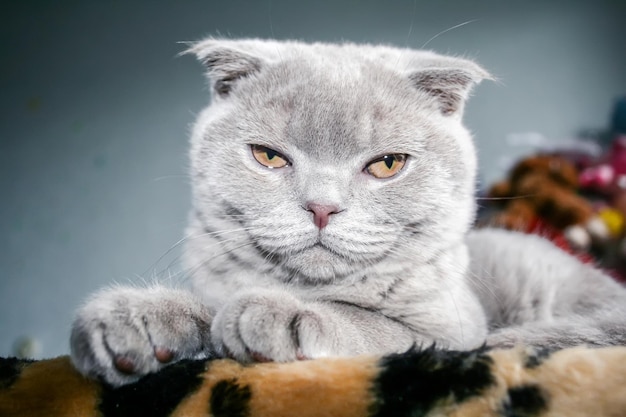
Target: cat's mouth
{"points": [[323, 251], [318, 262], [324, 258], [335, 252], [320, 245]]}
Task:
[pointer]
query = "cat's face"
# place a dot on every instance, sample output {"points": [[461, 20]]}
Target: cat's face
{"points": [[329, 159]]}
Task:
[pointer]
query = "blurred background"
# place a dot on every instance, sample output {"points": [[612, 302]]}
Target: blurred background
{"points": [[95, 109]]}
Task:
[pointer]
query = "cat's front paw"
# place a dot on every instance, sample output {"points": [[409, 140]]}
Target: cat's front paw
{"points": [[122, 334], [267, 326]]}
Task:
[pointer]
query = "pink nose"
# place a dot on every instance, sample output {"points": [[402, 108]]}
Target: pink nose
{"points": [[321, 213]]}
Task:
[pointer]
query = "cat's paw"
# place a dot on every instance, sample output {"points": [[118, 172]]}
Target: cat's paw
{"points": [[122, 334], [267, 326]]}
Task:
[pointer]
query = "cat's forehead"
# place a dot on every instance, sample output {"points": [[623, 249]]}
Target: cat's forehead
{"points": [[343, 98], [322, 106]]}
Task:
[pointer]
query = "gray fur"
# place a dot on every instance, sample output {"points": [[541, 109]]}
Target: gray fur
{"points": [[391, 268]]}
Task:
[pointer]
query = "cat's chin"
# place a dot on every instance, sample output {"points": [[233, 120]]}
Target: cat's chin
{"points": [[318, 264]]}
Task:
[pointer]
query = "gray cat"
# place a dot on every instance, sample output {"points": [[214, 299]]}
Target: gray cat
{"points": [[333, 191]]}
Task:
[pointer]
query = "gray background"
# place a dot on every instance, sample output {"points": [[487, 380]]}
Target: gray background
{"points": [[95, 108]]}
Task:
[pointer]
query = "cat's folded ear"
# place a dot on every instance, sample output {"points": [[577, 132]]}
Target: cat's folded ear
{"points": [[449, 81], [227, 61]]}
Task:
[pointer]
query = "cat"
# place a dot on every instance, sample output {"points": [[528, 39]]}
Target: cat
{"points": [[333, 196]]}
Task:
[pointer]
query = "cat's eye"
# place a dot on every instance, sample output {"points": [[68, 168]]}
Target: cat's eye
{"points": [[386, 166], [268, 157]]}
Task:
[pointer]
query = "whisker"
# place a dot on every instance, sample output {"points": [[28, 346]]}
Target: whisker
{"points": [[408, 35], [447, 30], [169, 177], [483, 284], [189, 272], [444, 282], [221, 242], [516, 197], [190, 237], [269, 12]]}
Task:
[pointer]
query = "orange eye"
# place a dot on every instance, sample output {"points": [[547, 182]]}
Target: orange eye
{"points": [[386, 166], [268, 157]]}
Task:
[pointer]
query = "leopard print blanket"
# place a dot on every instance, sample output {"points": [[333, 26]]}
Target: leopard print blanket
{"points": [[508, 383]]}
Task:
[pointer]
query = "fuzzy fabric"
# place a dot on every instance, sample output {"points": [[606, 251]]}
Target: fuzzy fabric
{"points": [[513, 383]]}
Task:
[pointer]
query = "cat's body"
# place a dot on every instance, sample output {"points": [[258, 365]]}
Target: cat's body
{"points": [[333, 193]]}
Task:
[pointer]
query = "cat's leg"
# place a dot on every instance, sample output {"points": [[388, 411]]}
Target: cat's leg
{"points": [[535, 293], [277, 326], [122, 333], [561, 333]]}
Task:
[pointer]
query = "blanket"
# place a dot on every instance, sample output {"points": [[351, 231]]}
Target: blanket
{"points": [[519, 382]]}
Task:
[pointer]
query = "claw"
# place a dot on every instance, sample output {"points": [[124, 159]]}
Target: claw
{"points": [[163, 355], [124, 365], [300, 356], [257, 357]]}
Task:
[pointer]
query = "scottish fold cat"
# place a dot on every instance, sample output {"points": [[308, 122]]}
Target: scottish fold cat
{"points": [[333, 194]]}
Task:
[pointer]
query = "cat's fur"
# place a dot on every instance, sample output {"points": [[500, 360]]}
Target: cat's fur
{"points": [[392, 266]]}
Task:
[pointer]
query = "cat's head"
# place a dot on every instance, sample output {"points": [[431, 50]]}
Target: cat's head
{"points": [[327, 159]]}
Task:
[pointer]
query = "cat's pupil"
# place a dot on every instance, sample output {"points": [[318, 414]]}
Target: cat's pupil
{"points": [[270, 154], [389, 160]]}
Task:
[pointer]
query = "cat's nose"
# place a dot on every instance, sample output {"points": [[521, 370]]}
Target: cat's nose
{"points": [[321, 213]]}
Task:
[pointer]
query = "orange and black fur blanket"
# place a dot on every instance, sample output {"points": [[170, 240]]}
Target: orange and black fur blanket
{"points": [[509, 383]]}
